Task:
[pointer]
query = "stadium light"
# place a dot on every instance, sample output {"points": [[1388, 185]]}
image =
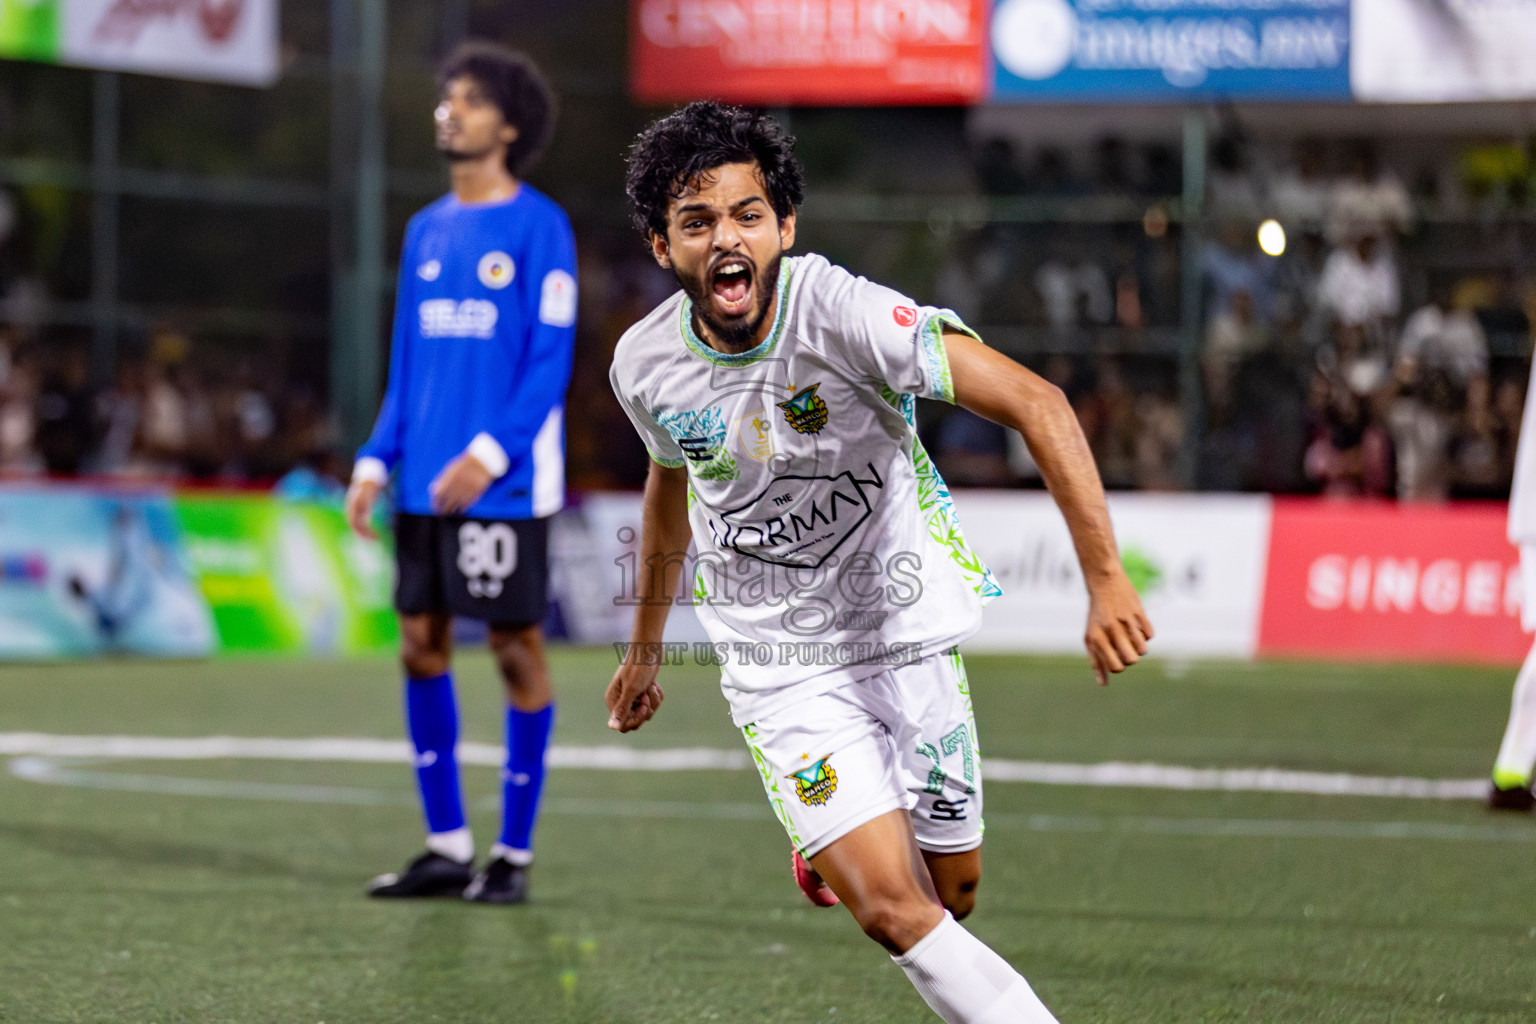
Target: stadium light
{"points": [[1272, 238]]}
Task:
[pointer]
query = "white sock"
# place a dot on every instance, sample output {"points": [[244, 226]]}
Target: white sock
{"points": [[457, 845], [966, 983], [1517, 754], [522, 858]]}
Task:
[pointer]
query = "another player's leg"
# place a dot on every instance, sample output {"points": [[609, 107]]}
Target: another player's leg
{"points": [[432, 721], [1511, 790], [884, 880], [519, 652], [956, 877], [1512, 769]]}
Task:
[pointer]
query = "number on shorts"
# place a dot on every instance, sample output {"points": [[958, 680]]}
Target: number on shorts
{"points": [[489, 551], [936, 774], [959, 739]]}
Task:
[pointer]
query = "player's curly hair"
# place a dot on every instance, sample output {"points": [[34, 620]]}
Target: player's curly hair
{"points": [[673, 153], [516, 87]]}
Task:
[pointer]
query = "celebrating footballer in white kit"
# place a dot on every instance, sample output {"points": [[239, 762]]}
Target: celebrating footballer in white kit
{"points": [[776, 396]]}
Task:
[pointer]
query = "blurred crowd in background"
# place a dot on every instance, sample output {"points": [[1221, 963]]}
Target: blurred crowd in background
{"points": [[1380, 346], [1370, 357], [167, 415]]}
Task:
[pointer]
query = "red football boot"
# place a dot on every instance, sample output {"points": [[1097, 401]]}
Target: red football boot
{"points": [[811, 884]]}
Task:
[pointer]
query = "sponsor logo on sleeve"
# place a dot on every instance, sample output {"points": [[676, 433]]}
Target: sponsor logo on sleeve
{"points": [[496, 270], [905, 316], [557, 299]]}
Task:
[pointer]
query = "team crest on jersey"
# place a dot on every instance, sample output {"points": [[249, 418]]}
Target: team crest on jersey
{"points": [[816, 784], [756, 435], [806, 412], [496, 270], [430, 270]]}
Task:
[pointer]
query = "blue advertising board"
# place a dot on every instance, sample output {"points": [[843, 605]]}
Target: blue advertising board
{"points": [[86, 572], [1170, 50]]}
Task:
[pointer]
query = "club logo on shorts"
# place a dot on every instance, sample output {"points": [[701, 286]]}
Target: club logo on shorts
{"points": [[905, 316], [816, 784], [430, 270], [496, 270], [805, 412]]}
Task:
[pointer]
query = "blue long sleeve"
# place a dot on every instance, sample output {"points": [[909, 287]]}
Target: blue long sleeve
{"points": [[384, 443]]}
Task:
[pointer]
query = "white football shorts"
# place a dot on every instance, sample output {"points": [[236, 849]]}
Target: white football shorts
{"points": [[901, 740]]}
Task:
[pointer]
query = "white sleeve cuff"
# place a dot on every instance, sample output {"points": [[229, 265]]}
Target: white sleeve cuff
{"points": [[487, 451], [371, 471]]}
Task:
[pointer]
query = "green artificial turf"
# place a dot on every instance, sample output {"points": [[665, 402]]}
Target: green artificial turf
{"points": [[666, 897]]}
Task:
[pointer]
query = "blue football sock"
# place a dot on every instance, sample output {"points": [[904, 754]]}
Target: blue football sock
{"points": [[523, 780], [432, 718]]}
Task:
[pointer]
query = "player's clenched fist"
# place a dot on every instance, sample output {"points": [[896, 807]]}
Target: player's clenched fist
{"points": [[633, 697], [1118, 628]]}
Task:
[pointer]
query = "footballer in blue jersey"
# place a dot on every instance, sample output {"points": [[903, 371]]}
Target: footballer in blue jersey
{"points": [[471, 429]]}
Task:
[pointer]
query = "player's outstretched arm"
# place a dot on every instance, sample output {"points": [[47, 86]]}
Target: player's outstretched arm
{"points": [[995, 387], [634, 696]]}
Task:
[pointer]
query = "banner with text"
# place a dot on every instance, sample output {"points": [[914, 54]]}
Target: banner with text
{"points": [[809, 51], [1169, 50], [232, 41], [1198, 562], [1361, 580]]}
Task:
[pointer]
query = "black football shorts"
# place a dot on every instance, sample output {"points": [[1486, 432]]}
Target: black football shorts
{"points": [[493, 570]]}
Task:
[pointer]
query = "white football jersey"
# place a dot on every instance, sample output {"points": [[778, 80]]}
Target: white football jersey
{"points": [[827, 547]]}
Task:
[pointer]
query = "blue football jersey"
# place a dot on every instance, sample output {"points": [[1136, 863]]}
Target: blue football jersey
{"points": [[485, 325]]}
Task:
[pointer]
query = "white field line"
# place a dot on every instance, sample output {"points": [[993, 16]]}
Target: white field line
{"points": [[620, 758], [70, 773], [366, 751]]}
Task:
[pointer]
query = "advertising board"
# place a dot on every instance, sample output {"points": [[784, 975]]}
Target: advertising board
{"points": [[287, 576], [1361, 580], [1170, 50], [96, 572], [1198, 562], [1431, 51], [832, 52], [29, 30], [232, 41]]}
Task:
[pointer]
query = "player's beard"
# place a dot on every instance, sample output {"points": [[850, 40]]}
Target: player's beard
{"points": [[738, 333], [461, 156]]}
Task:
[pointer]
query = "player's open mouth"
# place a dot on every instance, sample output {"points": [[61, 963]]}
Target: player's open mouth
{"points": [[731, 282]]}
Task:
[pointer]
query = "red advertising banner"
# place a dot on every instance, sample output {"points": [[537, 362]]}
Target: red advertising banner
{"points": [[830, 52], [1361, 580]]}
